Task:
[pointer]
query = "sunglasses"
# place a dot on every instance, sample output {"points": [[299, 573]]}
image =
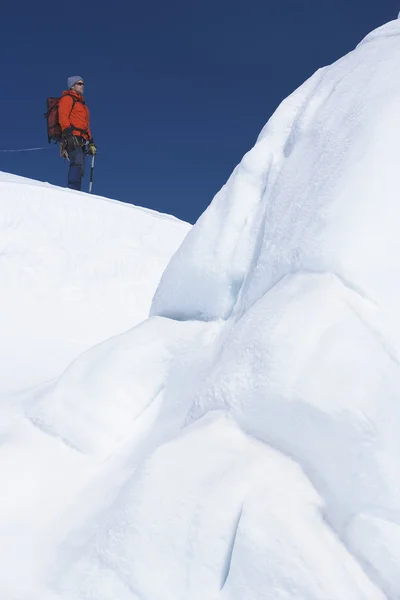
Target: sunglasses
{"points": [[79, 83]]}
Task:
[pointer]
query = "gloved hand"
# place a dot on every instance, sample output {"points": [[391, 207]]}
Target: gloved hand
{"points": [[91, 149], [71, 141]]}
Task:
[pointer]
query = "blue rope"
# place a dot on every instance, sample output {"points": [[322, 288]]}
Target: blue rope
{"points": [[27, 149]]}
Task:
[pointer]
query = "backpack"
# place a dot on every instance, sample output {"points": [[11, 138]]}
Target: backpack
{"points": [[53, 126]]}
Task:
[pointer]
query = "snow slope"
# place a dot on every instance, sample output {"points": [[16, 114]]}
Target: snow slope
{"points": [[74, 269], [243, 442]]}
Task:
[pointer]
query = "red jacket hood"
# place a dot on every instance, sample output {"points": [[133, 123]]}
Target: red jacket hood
{"points": [[75, 94]]}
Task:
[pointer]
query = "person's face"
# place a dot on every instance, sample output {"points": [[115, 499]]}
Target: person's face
{"points": [[79, 87]]}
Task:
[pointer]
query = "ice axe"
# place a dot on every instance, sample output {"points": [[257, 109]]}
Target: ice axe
{"points": [[91, 174]]}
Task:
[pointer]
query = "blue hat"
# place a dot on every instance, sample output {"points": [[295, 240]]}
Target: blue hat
{"points": [[72, 80]]}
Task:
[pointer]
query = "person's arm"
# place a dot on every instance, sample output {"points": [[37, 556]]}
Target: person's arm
{"points": [[88, 125], [91, 149]]}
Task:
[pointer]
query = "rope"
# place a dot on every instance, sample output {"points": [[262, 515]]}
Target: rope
{"points": [[27, 149]]}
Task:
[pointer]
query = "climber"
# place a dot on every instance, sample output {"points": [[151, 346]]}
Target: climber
{"points": [[77, 140]]}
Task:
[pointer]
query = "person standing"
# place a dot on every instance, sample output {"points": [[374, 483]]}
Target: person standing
{"points": [[77, 140]]}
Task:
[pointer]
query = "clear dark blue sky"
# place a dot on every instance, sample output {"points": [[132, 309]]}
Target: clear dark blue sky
{"points": [[178, 90]]}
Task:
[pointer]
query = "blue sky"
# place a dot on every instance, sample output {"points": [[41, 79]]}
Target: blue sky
{"points": [[178, 91]]}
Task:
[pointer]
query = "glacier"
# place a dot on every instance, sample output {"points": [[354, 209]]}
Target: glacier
{"points": [[232, 431]]}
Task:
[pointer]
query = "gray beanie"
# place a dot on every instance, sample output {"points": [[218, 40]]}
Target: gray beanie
{"points": [[72, 80]]}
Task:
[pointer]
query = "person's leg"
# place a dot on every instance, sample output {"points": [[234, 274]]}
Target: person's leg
{"points": [[76, 168]]}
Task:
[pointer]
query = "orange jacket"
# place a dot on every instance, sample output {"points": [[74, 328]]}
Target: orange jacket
{"points": [[75, 115]]}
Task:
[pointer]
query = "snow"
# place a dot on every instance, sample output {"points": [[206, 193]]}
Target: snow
{"points": [[74, 270], [242, 442]]}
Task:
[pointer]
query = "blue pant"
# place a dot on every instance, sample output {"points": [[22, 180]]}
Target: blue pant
{"points": [[76, 167]]}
